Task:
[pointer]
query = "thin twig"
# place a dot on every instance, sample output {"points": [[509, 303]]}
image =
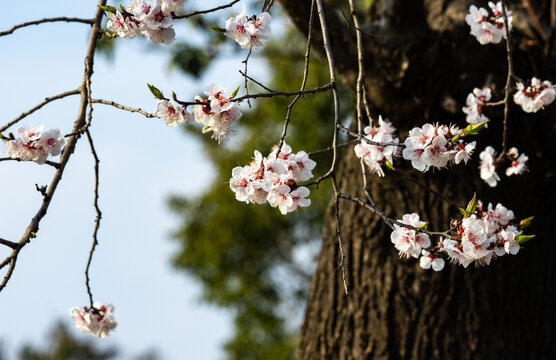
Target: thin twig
{"points": [[281, 93], [508, 80], [47, 20], [339, 234], [204, 11], [98, 217], [256, 82], [245, 73], [122, 107], [365, 139], [33, 226], [330, 148], [32, 110], [303, 82], [51, 163], [8, 243]]}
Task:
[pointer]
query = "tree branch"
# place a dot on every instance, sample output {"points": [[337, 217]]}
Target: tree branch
{"points": [[47, 20], [32, 110], [204, 11]]}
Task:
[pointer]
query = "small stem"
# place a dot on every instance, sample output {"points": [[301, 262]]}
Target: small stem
{"points": [[47, 20]]}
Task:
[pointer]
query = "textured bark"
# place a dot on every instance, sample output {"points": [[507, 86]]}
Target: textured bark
{"points": [[395, 310]]}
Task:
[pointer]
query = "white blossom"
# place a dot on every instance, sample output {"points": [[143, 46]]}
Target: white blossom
{"points": [[518, 165], [375, 156], [172, 112], [474, 104], [488, 166], [534, 96], [429, 260], [248, 31], [408, 241], [487, 27], [31, 145], [97, 321]]}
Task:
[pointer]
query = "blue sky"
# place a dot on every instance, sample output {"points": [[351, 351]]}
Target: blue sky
{"points": [[142, 163]]}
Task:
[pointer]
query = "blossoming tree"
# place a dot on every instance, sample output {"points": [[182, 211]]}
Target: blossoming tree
{"points": [[426, 66]]}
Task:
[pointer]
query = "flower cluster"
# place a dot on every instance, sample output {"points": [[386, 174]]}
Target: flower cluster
{"points": [[31, 145], [534, 95], [216, 112], [274, 179], [488, 164], [488, 27], [150, 18], [409, 242], [172, 112], [248, 31], [377, 155], [474, 104], [436, 145], [97, 321], [481, 237]]}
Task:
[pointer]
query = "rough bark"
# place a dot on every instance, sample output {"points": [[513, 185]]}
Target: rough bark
{"points": [[395, 310]]}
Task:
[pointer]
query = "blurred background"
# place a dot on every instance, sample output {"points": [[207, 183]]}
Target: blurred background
{"points": [[193, 273]]}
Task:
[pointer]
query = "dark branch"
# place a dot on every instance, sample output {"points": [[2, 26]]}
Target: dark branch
{"points": [[47, 20]]}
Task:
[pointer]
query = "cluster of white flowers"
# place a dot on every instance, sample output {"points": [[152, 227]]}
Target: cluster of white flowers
{"points": [[535, 96], [480, 237], [274, 179], [488, 165], [216, 112], [474, 104], [433, 145], [409, 242], [172, 112], [97, 321], [150, 18], [248, 31], [376, 155], [488, 27], [31, 145]]}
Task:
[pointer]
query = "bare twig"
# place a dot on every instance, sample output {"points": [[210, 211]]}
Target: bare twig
{"points": [[330, 148], [122, 107], [98, 217], [8, 243], [33, 226], [255, 81], [368, 141], [339, 234], [32, 110], [281, 93], [508, 80], [303, 82], [51, 163], [47, 20], [245, 73], [205, 11]]}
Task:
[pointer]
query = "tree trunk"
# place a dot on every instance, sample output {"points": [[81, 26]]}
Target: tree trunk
{"points": [[419, 69]]}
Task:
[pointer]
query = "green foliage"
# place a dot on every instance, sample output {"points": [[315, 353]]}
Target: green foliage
{"points": [[64, 346], [235, 249]]}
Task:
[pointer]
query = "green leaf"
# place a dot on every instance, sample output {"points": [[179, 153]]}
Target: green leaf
{"points": [[122, 8], [455, 139], [474, 129], [389, 165], [472, 205], [2, 137], [218, 28], [174, 96], [109, 9], [157, 93], [522, 239], [234, 93], [423, 226], [526, 222], [463, 212]]}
